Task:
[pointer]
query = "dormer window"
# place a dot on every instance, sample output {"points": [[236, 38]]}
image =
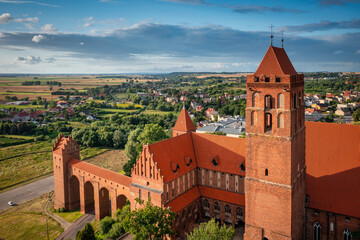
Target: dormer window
{"points": [[277, 79], [188, 161], [267, 79], [256, 79], [215, 161], [174, 166]]}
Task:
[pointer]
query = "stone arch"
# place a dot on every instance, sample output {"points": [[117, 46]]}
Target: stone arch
{"points": [[104, 202], [89, 197], [74, 193], [281, 100], [121, 201]]}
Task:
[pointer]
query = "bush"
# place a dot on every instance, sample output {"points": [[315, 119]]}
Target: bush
{"points": [[106, 224], [116, 231], [86, 234]]}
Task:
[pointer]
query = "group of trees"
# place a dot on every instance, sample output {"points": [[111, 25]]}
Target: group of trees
{"points": [[30, 83]]}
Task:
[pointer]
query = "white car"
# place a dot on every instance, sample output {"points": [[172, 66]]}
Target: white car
{"points": [[11, 203]]}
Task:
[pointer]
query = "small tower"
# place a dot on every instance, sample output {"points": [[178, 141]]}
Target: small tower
{"points": [[275, 157], [64, 149], [183, 124]]}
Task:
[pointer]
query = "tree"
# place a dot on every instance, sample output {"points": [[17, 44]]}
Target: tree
{"points": [[152, 133], [150, 222], [130, 150], [86, 234], [211, 231], [356, 115]]}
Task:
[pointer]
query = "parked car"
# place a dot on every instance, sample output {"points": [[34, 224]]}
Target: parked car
{"points": [[11, 203]]}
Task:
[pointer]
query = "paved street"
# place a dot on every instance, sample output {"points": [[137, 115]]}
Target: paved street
{"points": [[26, 192]]}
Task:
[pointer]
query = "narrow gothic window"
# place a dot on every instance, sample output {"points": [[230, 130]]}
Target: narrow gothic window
{"points": [[149, 195], [268, 100], [266, 172], [242, 167], [281, 100], [254, 99], [252, 120], [280, 120], [206, 203], [227, 209], [217, 206], [317, 231], [294, 100], [268, 122], [347, 234]]}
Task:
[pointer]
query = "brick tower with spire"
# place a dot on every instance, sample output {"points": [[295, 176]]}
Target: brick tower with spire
{"points": [[275, 157], [183, 124]]}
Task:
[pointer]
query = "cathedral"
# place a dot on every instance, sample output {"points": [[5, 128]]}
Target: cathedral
{"points": [[287, 179]]}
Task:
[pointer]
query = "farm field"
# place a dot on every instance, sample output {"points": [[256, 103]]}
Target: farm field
{"points": [[113, 160], [24, 163], [5, 106], [28, 221], [156, 112]]}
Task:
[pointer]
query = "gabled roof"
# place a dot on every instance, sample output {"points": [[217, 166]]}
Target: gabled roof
{"points": [[275, 62], [184, 123], [333, 167]]}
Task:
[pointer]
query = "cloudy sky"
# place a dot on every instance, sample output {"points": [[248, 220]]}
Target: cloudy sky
{"points": [[155, 36]]}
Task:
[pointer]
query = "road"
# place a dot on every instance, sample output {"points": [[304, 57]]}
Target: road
{"points": [[70, 233], [26, 192]]}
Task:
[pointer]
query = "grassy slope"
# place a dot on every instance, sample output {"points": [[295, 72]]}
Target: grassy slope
{"points": [[28, 221]]}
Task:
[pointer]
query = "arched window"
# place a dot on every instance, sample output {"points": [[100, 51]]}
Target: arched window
{"points": [[227, 209], [239, 212], [317, 231], [217, 206], [281, 100], [206, 203], [183, 216], [252, 118], [268, 121], [189, 211], [280, 120], [295, 102], [268, 102], [347, 234], [255, 99]]}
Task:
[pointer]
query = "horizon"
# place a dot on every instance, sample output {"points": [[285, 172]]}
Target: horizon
{"points": [[167, 36]]}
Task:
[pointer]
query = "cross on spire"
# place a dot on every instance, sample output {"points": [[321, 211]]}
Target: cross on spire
{"points": [[282, 38], [271, 36]]}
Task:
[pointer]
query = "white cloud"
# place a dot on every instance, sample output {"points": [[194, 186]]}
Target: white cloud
{"points": [[87, 25], [82, 43], [28, 60], [48, 28], [5, 18], [338, 52], [29, 26], [27, 20], [38, 38], [2, 35], [32, 2]]}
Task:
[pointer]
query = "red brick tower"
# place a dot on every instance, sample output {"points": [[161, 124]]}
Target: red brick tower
{"points": [[183, 124], [275, 158], [64, 150]]}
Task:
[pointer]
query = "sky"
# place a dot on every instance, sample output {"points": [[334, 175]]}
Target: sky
{"points": [[162, 36]]}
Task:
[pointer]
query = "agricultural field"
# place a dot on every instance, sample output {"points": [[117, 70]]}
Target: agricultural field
{"points": [[28, 221], [156, 112], [113, 160], [24, 163]]}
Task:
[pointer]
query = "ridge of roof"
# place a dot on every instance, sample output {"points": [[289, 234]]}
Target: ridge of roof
{"points": [[277, 62], [184, 123]]}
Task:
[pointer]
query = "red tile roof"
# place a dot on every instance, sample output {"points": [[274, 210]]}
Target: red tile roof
{"points": [[230, 151], [184, 123], [171, 151], [333, 167], [221, 195], [100, 172], [275, 62], [184, 199]]}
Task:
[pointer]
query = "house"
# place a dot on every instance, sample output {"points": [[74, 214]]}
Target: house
{"points": [[319, 106], [313, 114], [211, 113], [231, 126], [91, 117], [62, 104], [54, 109], [21, 117], [343, 112]]}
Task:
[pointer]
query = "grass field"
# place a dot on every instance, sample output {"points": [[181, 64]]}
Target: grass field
{"points": [[5, 140], [156, 112], [70, 216], [23, 163], [28, 221], [5, 106], [113, 160], [110, 110]]}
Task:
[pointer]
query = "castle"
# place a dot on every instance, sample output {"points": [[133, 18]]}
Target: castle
{"points": [[286, 180]]}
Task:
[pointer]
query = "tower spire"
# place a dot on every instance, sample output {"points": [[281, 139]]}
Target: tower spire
{"points": [[282, 38], [271, 36]]}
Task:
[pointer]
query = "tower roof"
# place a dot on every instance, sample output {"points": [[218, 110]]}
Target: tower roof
{"points": [[184, 123], [277, 62]]}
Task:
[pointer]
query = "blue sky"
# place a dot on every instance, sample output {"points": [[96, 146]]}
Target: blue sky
{"points": [[154, 36]]}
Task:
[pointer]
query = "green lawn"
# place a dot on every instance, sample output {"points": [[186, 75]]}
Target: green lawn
{"points": [[110, 110], [70, 216], [18, 137], [27, 162], [28, 93], [125, 105]]}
